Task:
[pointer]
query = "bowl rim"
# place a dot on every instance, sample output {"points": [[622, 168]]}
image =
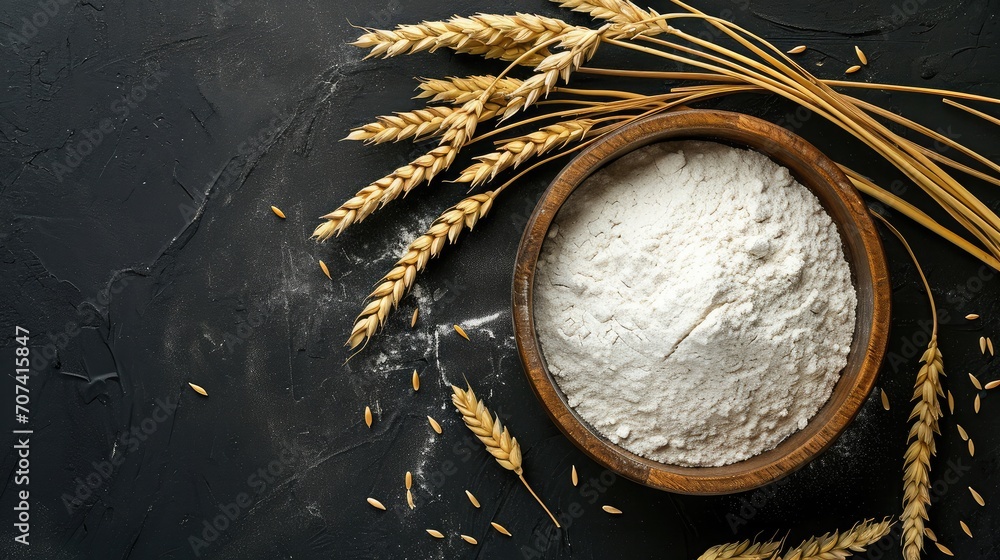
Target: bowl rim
{"points": [[782, 146]]}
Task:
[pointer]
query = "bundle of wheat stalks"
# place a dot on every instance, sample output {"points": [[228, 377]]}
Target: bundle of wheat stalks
{"points": [[573, 118]]}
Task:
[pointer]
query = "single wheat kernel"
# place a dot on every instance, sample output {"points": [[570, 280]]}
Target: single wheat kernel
{"points": [[469, 539], [861, 55], [982, 344], [962, 432], [944, 549], [461, 332], [574, 477], [992, 385], [965, 528], [409, 499], [500, 528], [975, 496], [472, 499], [797, 50], [435, 534], [972, 448], [326, 270], [416, 381], [885, 400], [972, 316], [852, 69], [930, 534], [413, 320], [198, 389], [368, 416], [975, 382], [376, 504], [976, 404], [612, 510], [408, 480], [434, 424], [277, 212]]}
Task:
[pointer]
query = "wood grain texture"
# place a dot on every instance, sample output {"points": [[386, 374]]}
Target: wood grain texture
{"points": [[862, 248]]}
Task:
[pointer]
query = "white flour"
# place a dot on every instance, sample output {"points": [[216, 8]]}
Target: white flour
{"points": [[694, 303]]}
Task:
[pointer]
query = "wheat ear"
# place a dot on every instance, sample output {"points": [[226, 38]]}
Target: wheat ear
{"points": [[617, 11], [494, 436], [840, 545], [420, 124], [742, 551], [461, 90], [926, 414], [512, 153], [399, 280], [433, 35]]}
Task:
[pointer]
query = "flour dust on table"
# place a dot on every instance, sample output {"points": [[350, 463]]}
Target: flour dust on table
{"points": [[694, 304]]}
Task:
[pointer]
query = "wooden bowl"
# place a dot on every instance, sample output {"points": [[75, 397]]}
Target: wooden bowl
{"points": [[863, 250]]}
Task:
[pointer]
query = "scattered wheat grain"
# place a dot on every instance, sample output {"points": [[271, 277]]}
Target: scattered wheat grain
{"points": [[277, 212], [951, 402], [975, 382], [885, 400], [930, 534], [989, 345], [416, 381], [408, 480], [434, 533], [409, 499], [972, 448], [992, 385], [434, 424], [469, 539], [965, 528], [982, 344], [413, 320], [852, 69], [975, 496], [962, 432], [944, 549], [472, 499], [368, 416], [376, 504], [326, 270], [612, 510], [972, 316], [461, 332], [976, 404], [500, 528], [573, 476], [797, 50], [861, 55], [198, 389]]}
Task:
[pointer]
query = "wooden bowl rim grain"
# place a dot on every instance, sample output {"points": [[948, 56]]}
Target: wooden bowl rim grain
{"points": [[863, 249]]}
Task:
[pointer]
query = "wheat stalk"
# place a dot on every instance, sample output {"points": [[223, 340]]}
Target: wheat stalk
{"points": [[618, 11], [926, 413], [840, 545], [521, 29], [513, 153], [394, 285], [742, 551], [494, 436], [420, 124], [462, 90]]}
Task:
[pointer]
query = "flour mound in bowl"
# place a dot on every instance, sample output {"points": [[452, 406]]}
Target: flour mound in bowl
{"points": [[694, 304]]}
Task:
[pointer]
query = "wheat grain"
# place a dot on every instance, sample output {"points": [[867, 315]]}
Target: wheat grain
{"points": [[951, 403], [612, 510], [797, 50], [469, 539], [885, 400], [975, 382], [413, 321], [982, 344], [409, 500], [462, 90], [944, 549], [408, 480], [199, 389], [494, 436], [277, 212], [461, 332], [326, 271], [573, 476], [976, 404], [861, 55], [840, 545], [416, 381], [368, 416], [989, 345], [514, 152], [975, 496], [930, 534], [972, 316], [398, 281], [376, 504], [434, 424], [965, 529], [972, 448], [435, 533], [500, 528], [852, 69], [743, 551], [992, 385], [961, 432], [472, 499]]}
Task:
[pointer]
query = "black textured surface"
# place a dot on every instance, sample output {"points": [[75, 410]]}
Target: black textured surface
{"points": [[154, 261]]}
